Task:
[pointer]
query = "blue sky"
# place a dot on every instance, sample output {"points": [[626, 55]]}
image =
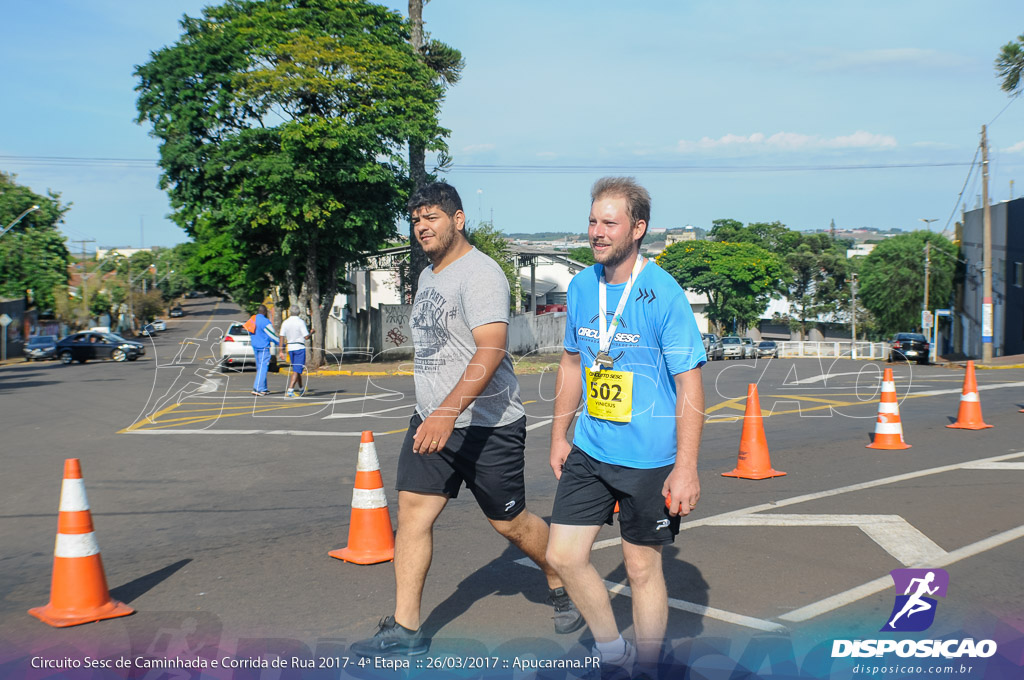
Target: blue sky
{"points": [[710, 103]]}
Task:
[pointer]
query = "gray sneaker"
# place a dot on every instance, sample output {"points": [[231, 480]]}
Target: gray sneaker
{"points": [[567, 618], [392, 639]]}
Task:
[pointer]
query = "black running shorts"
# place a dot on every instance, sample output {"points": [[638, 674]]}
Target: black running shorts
{"points": [[489, 460], [588, 490]]}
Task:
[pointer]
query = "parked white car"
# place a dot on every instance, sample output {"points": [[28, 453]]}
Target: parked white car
{"points": [[159, 325], [749, 348], [732, 347], [236, 350]]}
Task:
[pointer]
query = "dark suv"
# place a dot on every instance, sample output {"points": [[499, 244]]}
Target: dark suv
{"points": [[909, 347]]}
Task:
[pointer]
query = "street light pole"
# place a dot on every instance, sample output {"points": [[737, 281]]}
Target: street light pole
{"points": [[928, 222], [853, 316], [19, 218]]}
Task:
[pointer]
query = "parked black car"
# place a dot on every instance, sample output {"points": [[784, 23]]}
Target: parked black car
{"points": [[909, 347], [177, 311], [90, 345], [40, 347]]}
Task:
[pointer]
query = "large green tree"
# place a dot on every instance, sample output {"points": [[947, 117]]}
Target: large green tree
{"points": [[739, 279], [283, 125], [1010, 65], [33, 255], [892, 279], [818, 285], [772, 236]]}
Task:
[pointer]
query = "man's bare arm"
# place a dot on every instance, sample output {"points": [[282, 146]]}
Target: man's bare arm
{"points": [[682, 485]]}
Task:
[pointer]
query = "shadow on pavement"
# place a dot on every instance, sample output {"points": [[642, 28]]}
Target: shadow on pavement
{"points": [[140, 586]]}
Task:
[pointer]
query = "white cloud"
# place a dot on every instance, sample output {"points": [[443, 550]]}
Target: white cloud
{"points": [[475, 148], [788, 141], [1016, 148]]}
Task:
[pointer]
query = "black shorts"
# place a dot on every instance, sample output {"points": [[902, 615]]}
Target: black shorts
{"points": [[588, 490], [489, 460]]}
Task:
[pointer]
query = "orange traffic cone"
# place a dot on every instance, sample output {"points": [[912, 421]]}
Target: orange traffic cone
{"points": [[969, 416], [754, 461], [370, 537], [888, 428], [78, 592]]}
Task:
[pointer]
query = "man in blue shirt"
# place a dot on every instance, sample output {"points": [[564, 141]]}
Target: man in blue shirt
{"points": [[633, 352], [260, 341]]}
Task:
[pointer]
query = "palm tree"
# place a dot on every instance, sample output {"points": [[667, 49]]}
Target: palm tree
{"points": [[1010, 65]]}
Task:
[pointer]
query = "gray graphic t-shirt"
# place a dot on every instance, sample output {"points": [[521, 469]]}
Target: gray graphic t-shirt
{"points": [[469, 292]]}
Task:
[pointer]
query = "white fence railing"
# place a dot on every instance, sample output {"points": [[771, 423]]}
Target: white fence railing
{"points": [[842, 348]]}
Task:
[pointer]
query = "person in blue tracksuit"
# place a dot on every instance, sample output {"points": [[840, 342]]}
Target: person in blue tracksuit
{"points": [[261, 341]]}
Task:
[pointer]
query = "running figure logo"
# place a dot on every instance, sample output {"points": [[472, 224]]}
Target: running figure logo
{"points": [[913, 611]]}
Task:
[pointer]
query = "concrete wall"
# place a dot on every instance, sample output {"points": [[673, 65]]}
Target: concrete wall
{"points": [[544, 333]]}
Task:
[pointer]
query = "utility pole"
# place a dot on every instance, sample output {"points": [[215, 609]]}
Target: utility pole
{"points": [[85, 275], [986, 293], [927, 271], [853, 316]]}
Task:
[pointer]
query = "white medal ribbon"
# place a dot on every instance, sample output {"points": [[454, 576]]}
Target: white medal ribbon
{"points": [[605, 334]]}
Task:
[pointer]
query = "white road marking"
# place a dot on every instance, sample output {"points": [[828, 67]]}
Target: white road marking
{"points": [[892, 533], [296, 433], [871, 587], [683, 605], [842, 599], [824, 377], [994, 466], [363, 414], [539, 424]]}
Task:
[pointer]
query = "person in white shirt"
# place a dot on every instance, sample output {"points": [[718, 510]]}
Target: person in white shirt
{"points": [[294, 334]]}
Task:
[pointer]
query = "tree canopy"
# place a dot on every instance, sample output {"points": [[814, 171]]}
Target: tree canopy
{"points": [[282, 128], [738, 278], [1010, 65], [33, 255], [892, 279]]}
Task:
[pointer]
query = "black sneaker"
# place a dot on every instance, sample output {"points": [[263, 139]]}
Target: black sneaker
{"points": [[392, 639], [567, 618]]}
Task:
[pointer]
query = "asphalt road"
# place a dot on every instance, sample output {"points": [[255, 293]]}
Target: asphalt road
{"points": [[215, 511]]}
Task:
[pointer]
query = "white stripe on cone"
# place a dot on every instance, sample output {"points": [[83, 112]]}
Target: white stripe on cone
{"points": [[888, 386], [887, 407], [76, 545], [889, 428], [72, 496], [368, 499], [367, 461], [970, 396]]}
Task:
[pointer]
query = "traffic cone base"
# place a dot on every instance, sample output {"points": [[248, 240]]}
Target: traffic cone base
{"points": [[371, 539], [78, 591], [969, 415], [754, 461], [888, 428]]}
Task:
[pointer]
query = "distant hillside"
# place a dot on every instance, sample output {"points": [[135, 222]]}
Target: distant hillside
{"points": [[545, 235]]}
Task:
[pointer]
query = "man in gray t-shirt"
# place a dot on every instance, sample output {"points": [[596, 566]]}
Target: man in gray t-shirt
{"points": [[450, 304], [469, 426]]}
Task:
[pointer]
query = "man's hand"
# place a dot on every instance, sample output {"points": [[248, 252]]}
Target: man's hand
{"points": [[433, 433], [681, 490], [559, 452]]}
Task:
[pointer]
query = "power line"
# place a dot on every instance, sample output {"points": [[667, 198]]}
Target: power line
{"points": [[75, 161]]}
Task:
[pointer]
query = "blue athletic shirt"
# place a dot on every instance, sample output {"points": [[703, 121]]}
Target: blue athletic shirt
{"points": [[656, 339]]}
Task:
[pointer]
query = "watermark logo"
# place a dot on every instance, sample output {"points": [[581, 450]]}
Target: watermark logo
{"points": [[914, 609]]}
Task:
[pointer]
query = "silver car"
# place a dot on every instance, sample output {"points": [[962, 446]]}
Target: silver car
{"points": [[236, 350], [749, 348], [732, 347]]}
